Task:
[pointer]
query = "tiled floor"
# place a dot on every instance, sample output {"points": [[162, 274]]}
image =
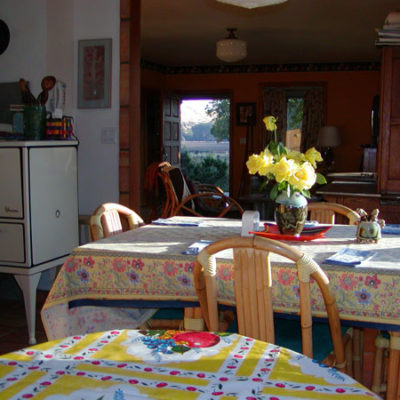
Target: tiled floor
{"points": [[13, 326]]}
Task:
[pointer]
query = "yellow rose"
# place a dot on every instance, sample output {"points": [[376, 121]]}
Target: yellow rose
{"points": [[270, 123], [266, 166], [296, 156], [253, 163], [283, 169], [312, 155], [303, 177]]}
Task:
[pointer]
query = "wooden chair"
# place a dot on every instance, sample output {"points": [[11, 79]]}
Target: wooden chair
{"points": [[253, 290], [112, 218], [212, 204], [325, 212], [200, 200]]}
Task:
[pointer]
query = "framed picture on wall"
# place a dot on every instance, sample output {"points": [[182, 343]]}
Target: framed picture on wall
{"points": [[246, 114], [94, 73]]}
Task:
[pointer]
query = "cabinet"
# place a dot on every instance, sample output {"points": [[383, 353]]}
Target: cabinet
{"points": [[38, 212], [389, 133]]}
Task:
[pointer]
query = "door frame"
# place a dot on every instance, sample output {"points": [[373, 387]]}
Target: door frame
{"points": [[214, 94]]}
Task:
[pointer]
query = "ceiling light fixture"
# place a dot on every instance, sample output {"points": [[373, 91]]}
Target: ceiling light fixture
{"points": [[231, 48], [252, 3]]}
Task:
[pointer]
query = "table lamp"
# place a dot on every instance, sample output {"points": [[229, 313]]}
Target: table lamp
{"points": [[328, 138]]}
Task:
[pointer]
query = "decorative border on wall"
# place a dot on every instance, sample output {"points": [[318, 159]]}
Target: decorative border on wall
{"points": [[262, 68]]}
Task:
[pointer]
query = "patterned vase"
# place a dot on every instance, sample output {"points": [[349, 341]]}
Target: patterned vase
{"points": [[290, 213]]}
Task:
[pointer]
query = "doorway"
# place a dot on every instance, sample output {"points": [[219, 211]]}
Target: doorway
{"points": [[205, 140]]}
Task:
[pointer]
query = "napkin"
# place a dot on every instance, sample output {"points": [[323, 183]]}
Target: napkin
{"points": [[391, 229], [350, 257], [167, 221], [311, 224], [196, 247]]}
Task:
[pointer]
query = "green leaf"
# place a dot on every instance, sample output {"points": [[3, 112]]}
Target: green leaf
{"points": [[180, 349], [320, 179], [273, 194], [282, 186], [273, 147], [306, 193], [263, 186], [281, 149]]}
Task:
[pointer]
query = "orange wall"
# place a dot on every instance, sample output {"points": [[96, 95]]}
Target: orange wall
{"points": [[348, 100]]}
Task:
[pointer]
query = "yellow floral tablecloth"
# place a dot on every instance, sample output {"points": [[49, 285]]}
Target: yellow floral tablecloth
{"points": [[148, 264], [132, 364]]}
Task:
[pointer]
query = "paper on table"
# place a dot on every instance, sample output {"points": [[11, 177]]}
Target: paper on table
{"points": [[350, 257], [196, 247], [391, 229], [167, 221]]}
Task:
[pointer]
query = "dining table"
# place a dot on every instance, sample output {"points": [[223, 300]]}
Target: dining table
{"points": [[120, 281], [127, 364]]}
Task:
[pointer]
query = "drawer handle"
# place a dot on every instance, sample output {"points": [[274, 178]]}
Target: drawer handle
{"points": [[58, 213], [10, 210]]}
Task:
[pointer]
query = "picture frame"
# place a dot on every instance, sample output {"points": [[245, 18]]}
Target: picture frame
{"points": [[94, 73], [246, 114]]}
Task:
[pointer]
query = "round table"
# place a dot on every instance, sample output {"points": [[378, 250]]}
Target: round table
{"points": [[145, 364]]}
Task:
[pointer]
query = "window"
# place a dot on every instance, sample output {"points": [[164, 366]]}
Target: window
{"points": [[294, 121], [299, 111]]}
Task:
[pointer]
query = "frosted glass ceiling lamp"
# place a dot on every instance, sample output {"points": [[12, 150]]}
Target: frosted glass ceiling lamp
{"points": [[252, 3], [231, 48]]}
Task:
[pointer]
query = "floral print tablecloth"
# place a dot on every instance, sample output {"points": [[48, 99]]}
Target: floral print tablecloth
{"points": [[133, 364], [148, 264]]}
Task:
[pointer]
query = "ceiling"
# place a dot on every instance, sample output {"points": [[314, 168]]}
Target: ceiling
{"points": [[184, 32]]}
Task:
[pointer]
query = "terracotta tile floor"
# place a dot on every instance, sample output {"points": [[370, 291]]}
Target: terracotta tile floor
{"points": [[13, 326]]}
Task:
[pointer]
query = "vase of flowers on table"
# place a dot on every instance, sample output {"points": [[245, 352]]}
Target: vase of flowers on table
{"points": [[292, 175]]}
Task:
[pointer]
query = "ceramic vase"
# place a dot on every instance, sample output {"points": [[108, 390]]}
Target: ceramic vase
{"points": [[290, 213]]}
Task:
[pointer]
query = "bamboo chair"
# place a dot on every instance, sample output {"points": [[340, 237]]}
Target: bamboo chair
{"points": [[253, 290], [206, 201], [218, 204], [112, 218], [326, 212]]}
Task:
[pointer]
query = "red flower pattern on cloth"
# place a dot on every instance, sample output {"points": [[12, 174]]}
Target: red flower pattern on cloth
{"points": [[348, 281], [197, 339], [285, 277], [372, 281]]}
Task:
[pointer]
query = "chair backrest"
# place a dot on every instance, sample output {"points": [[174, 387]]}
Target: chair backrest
{"points": [[111, 218], [325, 212], [209, 204], [208, 200], [175, 188], [253, 290]]}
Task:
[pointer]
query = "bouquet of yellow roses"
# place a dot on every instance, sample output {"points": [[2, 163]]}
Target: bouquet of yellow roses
{"points": [[291, 170]]}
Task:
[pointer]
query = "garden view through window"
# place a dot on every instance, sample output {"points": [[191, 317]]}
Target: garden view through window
{"points": [[294, 122], [205, 141]]}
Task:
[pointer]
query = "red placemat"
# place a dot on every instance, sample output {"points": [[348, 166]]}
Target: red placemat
{"points": [[271, 231]]}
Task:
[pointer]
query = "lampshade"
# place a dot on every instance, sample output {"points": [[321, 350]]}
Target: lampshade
{"points": [[252, 3], [329, 136], [231, 48]]}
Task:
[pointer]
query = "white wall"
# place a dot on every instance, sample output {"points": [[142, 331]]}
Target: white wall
{"points": [[25, 56], [98, 163], [44, 41]]}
